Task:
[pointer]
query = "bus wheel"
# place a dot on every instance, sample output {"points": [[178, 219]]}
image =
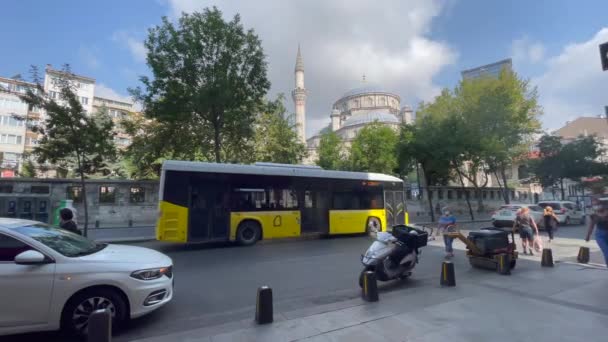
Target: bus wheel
{"points": [[249, 233], [373, 226]]}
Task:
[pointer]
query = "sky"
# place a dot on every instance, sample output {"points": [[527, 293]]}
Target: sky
{"points": [[413, 48]]}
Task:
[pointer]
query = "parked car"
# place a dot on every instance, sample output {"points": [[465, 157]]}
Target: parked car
{"points": [[505, 215], [51, 278], [567, 212]]}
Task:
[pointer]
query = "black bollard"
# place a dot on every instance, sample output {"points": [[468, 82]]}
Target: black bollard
{"points": [[263, 306], [583, 255], [370, 287], [448, 277], [504, 264], [547, 258], [100, 326]]}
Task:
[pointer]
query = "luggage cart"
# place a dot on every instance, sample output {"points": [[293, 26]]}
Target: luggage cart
{"points": [[486, 247]]}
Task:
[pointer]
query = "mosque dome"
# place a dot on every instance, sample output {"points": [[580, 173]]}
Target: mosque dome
{"points": [[366, 89]]}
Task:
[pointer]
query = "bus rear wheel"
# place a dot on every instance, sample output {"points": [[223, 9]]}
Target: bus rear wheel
{"points": [[248, 233]]}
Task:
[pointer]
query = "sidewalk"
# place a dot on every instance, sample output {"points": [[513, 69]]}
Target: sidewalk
{"points": [[565, 303]]}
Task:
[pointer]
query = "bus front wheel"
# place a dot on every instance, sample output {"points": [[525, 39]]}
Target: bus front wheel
{"points": [[249, 233]]}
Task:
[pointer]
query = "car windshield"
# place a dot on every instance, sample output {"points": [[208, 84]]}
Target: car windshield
{"points": [[554, 206], [62, 241]]}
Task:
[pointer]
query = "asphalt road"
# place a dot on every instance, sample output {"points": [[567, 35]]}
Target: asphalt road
{"points": [[217, 284]]}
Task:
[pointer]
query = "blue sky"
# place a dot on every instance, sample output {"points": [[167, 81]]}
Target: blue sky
{"points": [[413, 47]]}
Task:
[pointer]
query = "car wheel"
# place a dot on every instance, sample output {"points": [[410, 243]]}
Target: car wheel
{"points": [[249, 233], [373, 226], [76, 313]]}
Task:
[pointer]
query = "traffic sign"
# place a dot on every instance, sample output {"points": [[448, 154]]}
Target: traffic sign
{"points": [[604, 55]]}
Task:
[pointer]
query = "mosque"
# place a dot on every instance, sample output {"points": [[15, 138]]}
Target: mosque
{"points": [[352, 111]]}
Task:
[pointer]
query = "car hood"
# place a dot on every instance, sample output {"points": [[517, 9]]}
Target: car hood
{"points": [[127, 254]]}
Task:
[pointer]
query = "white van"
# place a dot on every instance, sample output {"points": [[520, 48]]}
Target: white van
{"points": [[567, 212]]}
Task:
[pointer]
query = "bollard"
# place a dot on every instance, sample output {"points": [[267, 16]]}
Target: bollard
{"points": [[547, 258], [100, 326], [583, 255], [504, 264], [370, 287], [263, 306], [448, 277]]}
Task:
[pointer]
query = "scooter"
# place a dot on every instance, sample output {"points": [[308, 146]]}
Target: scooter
{"points": [[393, 255]]}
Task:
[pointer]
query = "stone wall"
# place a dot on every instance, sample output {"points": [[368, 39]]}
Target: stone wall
{"points": [[111, 203]]}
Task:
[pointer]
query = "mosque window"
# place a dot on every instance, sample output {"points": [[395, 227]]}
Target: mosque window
{"points": [[370, 101]]}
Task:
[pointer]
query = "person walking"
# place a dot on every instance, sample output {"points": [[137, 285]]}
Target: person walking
{"points": [[550, 221], [599, 222], [526, 223], [67, 221], [446, 224]]}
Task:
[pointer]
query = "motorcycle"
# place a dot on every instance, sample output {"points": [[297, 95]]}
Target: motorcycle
{"points": [[393, 255]]}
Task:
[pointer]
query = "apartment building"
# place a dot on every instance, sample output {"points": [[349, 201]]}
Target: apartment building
{"points": [[16, 116]]}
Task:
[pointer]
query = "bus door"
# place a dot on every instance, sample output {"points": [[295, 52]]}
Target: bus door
{"points": [[315, 211], [209, 212], [394, 205]]}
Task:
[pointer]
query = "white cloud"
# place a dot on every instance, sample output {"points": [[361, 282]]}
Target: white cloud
{"points": [[133, 44], [342, 40], [574, 84], [101, 90], [528, 51], [89, 56]]}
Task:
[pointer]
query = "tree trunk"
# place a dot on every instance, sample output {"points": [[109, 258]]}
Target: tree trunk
{"points": [[216, 144], [480, 207], [561, 187], [428, 195], [465, 195], [85, 230], [503, 173]]}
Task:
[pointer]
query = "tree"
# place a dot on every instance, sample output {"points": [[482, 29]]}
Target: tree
{"points": [[374, 149], [28, 170], [209, 78], [69, 134], [574, 160], [330, 151], [275, 138]]}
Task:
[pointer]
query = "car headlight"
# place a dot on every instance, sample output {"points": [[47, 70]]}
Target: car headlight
{"points": [[152, 273]]}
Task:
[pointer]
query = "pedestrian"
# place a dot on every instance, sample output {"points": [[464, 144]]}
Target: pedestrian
{"points": [[599, 222], [550, 221], [525, 223], [67, 221], [446, 224]]}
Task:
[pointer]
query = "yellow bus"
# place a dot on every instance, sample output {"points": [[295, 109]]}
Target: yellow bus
{"points": [[205, 202]]}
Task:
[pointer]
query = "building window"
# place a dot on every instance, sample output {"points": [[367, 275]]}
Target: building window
{"points": [[450, 194], [458, 194], [40, 189], [107, 194], [440, 194], [491, 194], [484, 194], [84, 100], [137, 195], [53, 95], [74, 193], [6, 188], [10, 139]]}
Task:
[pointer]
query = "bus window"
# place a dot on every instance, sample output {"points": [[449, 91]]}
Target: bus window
{"points": [[282, 199], [248, 199], [346, 201]]}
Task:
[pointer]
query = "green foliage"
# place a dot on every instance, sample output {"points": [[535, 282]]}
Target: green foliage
{"points": [[573, 160], [209, 78], [70, 136], [374, 149], [330, 155], [28, 170], [275, 138]]}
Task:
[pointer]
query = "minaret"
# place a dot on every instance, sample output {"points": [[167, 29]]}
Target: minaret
{"points": [[299, 98]]}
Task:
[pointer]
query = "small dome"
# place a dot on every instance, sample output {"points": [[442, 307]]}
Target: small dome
{"points": [[369, 88], [359, 119]]}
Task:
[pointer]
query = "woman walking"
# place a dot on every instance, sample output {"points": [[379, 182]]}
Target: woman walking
{"points": [[525, 222], [550, 221], [599, 221]]}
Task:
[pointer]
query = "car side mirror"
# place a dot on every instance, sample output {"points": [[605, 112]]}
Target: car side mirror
{"points": [[30, 258]]}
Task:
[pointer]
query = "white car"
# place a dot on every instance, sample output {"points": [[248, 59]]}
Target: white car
{"points": [[505, 215], [51, 279], [567, 212]]}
